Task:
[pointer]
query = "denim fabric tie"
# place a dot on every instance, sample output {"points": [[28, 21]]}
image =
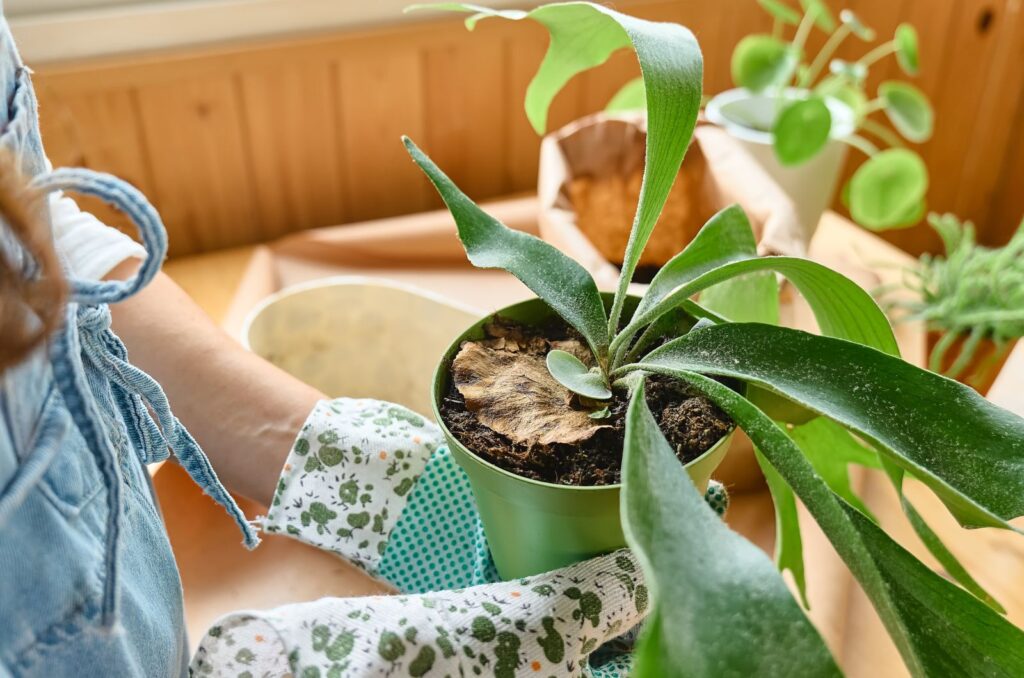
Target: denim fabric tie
{"points": [[87, 311]]}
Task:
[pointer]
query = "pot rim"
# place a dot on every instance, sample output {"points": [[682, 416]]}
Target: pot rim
{"points": [[443, 368], [842, 115], [342, 281]]}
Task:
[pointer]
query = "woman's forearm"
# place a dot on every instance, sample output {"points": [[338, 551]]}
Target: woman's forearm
{"points": [[242, 410]]}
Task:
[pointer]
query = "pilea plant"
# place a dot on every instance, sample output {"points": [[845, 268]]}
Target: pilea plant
{"points": [[887, 191], [720, 607], [973, 293]]}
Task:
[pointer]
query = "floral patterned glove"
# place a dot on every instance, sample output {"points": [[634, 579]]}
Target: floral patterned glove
{"points": [[372, 482], [546, 625]]}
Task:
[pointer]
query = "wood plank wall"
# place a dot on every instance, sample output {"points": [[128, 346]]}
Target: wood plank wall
{"points": [[243, 143]]}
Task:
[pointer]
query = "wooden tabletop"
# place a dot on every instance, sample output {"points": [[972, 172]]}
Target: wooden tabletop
{"points": [[220, 576]]}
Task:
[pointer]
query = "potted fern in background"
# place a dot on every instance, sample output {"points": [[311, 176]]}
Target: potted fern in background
{"points": [[719, 607], [796, 113], [971, 301]]}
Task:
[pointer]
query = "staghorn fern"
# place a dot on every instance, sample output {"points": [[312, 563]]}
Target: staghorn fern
{"points": [[720, 607], [975, 292]]}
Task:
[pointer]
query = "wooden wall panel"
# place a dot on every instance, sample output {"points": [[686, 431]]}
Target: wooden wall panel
{"points": [[202, 181], [291, 117], [77, 133], [463, 86], [381, 98], [241, 143]]}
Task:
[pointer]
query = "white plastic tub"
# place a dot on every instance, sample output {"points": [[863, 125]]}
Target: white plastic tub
{"points": [[358, 337]]}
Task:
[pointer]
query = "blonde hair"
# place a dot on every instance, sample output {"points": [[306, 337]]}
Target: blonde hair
{"points": [[31, 303]]}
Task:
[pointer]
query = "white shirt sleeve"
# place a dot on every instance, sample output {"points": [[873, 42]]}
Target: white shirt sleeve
{"points": [[90, 249]]}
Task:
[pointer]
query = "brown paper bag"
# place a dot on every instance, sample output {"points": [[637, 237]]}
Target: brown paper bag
{"points": [[589, 184]]}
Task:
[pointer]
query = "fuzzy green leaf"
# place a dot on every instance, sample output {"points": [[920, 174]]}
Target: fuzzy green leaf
{"points": [[762, 61], [723, 249], [781, 11], [906, 49], [570, 372], [584, 35], [887, 190], [967, 450], [558, 280], [801, 131], [934, 543], [840, 306], [751, 298], [939, 629], [726, 237], [704, 577], [631, 97], [908, 110], [789, 544], [831, 449]]}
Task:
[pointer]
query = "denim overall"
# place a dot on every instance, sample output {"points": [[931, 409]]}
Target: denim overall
{"points": [[88, 583]]}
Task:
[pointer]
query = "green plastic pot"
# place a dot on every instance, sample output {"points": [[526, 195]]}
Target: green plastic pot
{"points": [[533, 526]]}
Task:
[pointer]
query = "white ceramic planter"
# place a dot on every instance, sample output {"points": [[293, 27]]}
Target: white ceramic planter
{"points": [[358, 337], [812, 185]]}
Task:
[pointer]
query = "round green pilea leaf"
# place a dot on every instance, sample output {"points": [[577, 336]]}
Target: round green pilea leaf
{"points": [[760, 61], [906, 49], [801, 131], [886, 190], [908, 110]]}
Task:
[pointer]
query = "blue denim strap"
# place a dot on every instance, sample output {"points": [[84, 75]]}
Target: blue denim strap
{"points": [[109, 356], [87, 311], [133, 203]]}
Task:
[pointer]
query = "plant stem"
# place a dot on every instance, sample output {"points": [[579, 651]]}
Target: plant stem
{"points": [[825, 54], [776, 28], [861, 144], [881, 132], [877, 53], [875, 104], [940, 350], [967, 353], [802, 31]]}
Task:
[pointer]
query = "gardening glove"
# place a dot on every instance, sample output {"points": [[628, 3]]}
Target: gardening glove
{"points": [[547, 625], [373, 482]]}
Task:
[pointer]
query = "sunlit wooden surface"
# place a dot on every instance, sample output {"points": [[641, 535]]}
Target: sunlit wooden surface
{"points": [[220, 576]]}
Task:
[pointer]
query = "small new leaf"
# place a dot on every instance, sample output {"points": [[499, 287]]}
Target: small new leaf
{"points": [[560, 281], [570, 372]]}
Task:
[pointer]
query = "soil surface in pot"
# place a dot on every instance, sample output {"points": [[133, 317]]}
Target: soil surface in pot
{"points": [[502, 404]]}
